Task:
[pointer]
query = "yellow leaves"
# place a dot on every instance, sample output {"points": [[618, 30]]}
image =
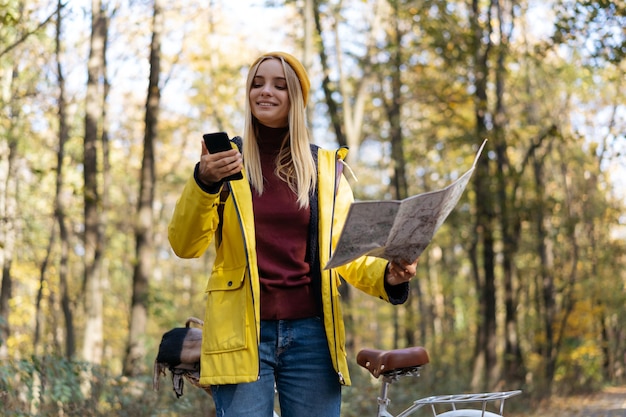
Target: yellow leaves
{"points": [[588, 350], [19, 343], [583, 320]]}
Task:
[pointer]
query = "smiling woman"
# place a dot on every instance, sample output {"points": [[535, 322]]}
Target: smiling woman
{"points": [[279, 326]]}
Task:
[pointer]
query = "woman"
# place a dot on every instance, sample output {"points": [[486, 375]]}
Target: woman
{"points": [[273, 319]]}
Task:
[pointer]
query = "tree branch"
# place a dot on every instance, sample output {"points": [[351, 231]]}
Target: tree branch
{"points": [[29, 33]]}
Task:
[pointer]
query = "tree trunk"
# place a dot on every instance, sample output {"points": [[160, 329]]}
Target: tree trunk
{"points": [[61, 203], [347, 118], [8, 212], [39, 314], [509, 218], [92, 285], [8, 207], [393, 108], [485, 349], [145, 217], [333, 108], [308, 52], [546, 279]]}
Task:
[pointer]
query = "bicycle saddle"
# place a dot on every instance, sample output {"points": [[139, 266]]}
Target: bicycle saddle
{"points": [[385, 361]]}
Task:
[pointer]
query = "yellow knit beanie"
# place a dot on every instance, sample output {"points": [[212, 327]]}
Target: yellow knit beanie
{"points": [[293, 62]]}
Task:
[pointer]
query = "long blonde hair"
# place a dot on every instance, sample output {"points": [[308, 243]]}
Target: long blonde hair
{"points": [[294, 163]]}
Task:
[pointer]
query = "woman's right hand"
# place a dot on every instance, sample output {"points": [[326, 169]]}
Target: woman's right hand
{"points": [[215, 166]]}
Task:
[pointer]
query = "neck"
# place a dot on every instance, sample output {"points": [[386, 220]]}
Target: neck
{"points": [[271, 138]]}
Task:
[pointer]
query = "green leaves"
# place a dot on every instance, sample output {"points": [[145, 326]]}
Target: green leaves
{"points": [[595, 27]]}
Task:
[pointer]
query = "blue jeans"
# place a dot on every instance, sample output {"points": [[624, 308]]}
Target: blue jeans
{"points": [[294, 359]]}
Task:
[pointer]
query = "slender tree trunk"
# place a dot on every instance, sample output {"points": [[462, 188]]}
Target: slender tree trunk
{"points": [[145, 216], [61, 202], [8, 211], [393, 108], [338, 128], [567, 300], [58, 206], [485, 352], [432, 318], [308, 52], [546, 279], [39, 314], [347, 118], [92, 285], [509, 219], [333, 108]]}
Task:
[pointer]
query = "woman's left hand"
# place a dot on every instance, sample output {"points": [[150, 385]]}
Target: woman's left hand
{"points": [[400, 272]]}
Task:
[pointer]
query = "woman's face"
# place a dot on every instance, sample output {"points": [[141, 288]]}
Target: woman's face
{"points": [[269, 99]]}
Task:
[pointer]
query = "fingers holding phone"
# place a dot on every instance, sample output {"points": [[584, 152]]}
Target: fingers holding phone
{"points": [[219, 161]]}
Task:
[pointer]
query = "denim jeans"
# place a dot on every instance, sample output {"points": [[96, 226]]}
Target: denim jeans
{"points": [[294, 359]]}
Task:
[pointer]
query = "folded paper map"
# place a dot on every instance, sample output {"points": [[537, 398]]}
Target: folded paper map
{"points": [[397, 230]]}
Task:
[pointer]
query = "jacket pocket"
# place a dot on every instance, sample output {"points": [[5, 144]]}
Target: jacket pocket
{"points": [[225, 315]]}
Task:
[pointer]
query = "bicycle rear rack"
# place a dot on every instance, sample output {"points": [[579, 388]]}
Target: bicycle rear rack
{"points": [[454, 400]]}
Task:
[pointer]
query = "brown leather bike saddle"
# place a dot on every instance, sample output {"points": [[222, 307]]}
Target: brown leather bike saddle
{"points": [[382, 362]]}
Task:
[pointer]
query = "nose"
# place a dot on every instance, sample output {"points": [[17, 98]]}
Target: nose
{"points": [[266, 90]]}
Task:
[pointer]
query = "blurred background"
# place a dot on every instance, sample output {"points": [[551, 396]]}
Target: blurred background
{"points": [[103, 106]]}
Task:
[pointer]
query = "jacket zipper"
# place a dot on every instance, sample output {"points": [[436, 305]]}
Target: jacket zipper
{"points": [[245, 247], [330, 274]]}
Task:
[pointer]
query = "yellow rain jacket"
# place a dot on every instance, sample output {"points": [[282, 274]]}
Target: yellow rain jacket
{"points": [[231, 324]]}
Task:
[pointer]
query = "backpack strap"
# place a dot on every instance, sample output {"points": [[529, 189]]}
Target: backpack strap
{"points": [[223, 197], [220, 212]]}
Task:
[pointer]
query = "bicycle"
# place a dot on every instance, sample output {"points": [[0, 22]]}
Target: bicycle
{"points": [[391, 365]]}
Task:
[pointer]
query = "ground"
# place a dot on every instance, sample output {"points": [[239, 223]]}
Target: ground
{"points": [[610, 402]]}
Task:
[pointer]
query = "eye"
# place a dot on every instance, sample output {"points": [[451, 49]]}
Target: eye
{"points": [[258, 82]]}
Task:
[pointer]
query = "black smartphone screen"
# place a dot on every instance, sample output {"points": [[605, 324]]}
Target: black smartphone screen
{"points": [[219, 142]]}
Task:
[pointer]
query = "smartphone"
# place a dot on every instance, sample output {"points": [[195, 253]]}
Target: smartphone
{"points": [[219, 142]]}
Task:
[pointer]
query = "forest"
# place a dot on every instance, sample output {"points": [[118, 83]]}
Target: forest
{"points": [[102, 109]]}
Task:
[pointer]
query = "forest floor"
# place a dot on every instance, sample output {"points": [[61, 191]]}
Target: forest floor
{"points": [[610, 402]]}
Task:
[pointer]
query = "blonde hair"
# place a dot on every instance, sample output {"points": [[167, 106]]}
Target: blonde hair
{"points": [[294, 163]]}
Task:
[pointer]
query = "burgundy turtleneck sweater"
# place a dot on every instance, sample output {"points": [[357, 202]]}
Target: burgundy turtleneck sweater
{"points": [[281, 239]]}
